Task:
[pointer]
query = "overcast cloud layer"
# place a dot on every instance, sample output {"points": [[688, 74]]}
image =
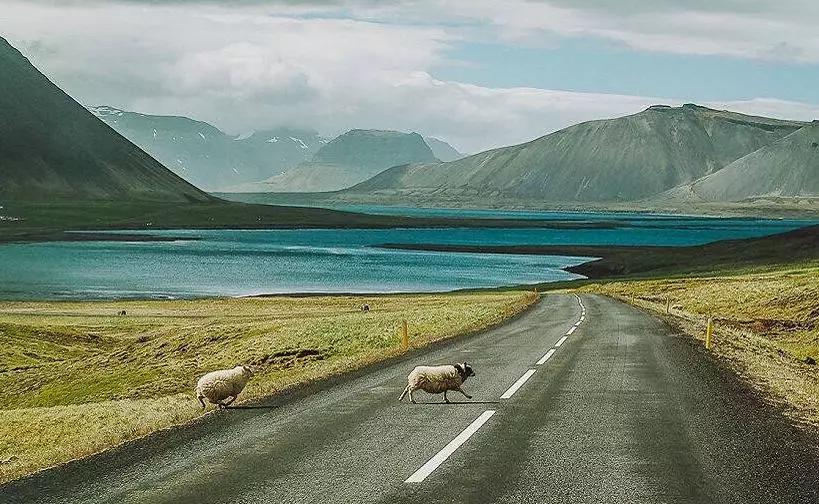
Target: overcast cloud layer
{"points": [[334, 66]]}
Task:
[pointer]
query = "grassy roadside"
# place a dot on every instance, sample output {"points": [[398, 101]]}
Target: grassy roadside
{"points": [[766, 325], [70, 364]]}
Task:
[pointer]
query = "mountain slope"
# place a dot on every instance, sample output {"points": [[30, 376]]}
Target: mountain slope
{"points": [[442, 150], [611, 160], [788, 167], [51, 147], [349, 159], [205, 156]]}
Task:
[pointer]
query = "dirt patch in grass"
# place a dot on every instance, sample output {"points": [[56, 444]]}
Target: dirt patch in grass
{"points": [[65, 364]]}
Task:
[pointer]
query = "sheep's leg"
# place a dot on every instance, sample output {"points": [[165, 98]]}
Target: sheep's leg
{"points": [[464, 393], [406, 389], [412, 400], [445, 399], [201, 401], [229, 401]]}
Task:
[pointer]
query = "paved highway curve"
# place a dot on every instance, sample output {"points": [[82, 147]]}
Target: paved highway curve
{"points": [[579, 400]]}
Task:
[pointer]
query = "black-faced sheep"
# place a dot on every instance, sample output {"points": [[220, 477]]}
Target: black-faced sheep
{"points": [[217, 386], [438, 379]]}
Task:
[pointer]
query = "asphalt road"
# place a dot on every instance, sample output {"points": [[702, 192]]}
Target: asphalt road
{"points": [[623, 410]]}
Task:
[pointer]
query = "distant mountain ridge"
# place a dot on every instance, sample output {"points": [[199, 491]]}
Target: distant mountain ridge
{"points": [[349, 159], [611, 160], [263, 160], [53, 148], [442, 150], [204, 155]]}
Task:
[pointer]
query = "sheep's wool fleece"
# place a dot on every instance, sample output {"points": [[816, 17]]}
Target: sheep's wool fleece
{"points": [[219, 385], [435, 379]]}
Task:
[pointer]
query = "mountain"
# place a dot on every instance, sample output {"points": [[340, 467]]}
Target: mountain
{"points": [[63, 169], [349, 159], [53, 148], [442, 150], [205, 156], [611, 160], [788, 167]]}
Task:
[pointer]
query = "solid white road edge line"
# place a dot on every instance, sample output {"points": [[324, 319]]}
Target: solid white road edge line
{"points": [[518, 384], [561, 341], [546, 357], [440, 457]]}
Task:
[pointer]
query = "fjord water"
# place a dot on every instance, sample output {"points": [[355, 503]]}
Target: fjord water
{"points": [[247, 262]]}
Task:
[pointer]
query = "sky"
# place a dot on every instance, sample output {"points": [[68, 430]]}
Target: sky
{"points": [[476, 73]]}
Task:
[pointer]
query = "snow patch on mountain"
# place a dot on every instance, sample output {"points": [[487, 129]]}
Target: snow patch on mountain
{"points": [[300, 142]]}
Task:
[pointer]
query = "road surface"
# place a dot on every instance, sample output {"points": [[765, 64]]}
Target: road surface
{"points": [[580, 400]]}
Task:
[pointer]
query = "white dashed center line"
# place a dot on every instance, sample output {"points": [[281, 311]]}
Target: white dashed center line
{"points": [[518, 384], [546, 357], [440, 457]]}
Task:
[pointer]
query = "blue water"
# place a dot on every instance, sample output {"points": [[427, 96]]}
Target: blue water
{"points": [[233, 263]]}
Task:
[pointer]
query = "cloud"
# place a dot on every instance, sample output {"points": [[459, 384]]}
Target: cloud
{"points": [[751, 29], [771, 107], [340, 65]]}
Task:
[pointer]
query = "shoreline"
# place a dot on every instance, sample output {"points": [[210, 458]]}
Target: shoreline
{"points": [[760, 208], [618, 261], [603, 263], [125, 233]]}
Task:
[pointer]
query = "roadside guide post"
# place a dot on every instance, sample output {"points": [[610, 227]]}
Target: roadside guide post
{"points": [[404, 335], [709, 332]]}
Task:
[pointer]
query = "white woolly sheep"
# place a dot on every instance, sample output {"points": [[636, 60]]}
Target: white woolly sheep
{"points": [[217, 386], [437, 379]]}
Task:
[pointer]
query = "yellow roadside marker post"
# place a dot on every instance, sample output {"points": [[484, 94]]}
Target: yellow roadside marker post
{"points": [[668, 304], [404, 335], [709, 332]]}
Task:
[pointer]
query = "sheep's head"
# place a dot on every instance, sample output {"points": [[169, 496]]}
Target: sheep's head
{"points": [[465, 370], [246, 371]]}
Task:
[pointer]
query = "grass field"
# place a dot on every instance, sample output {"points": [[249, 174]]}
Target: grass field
{"points": [[766, 325], [70, 364]]}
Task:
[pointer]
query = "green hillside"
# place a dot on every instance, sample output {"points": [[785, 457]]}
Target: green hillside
{"points": [[786, 168], [611, 160], [52, 148]]}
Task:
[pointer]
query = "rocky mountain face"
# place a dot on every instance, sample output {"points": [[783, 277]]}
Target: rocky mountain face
{"points": [[204, 155]]}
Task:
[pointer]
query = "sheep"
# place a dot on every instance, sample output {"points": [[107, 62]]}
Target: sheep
{"points": [[437, 379], [365, 308], [217, 386]]}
